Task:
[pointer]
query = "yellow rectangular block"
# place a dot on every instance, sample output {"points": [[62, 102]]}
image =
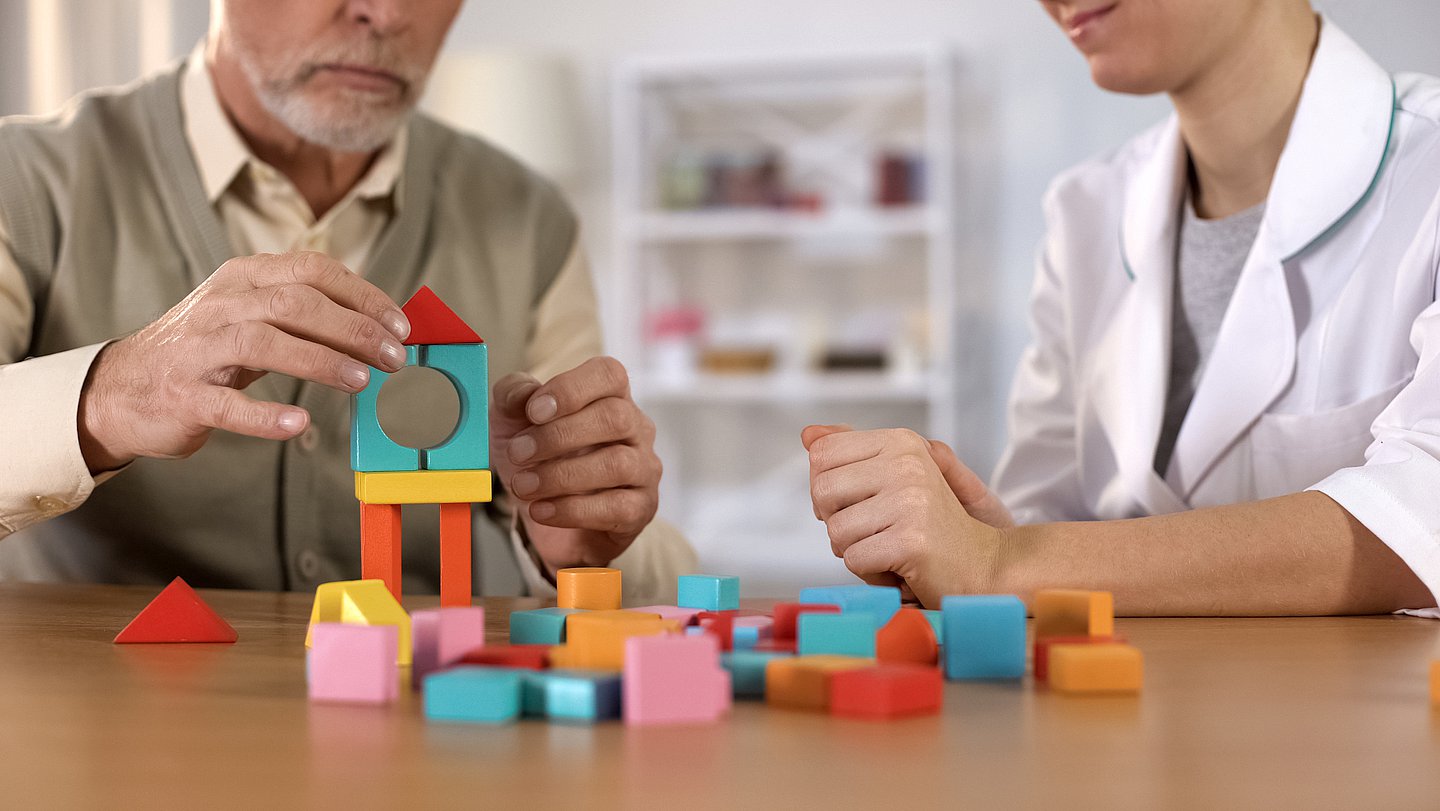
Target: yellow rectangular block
{"points": [[1070, 612], [595, 640], [1091, 668], [803, 682], [361, 602], [588, 588], [424, 487]]}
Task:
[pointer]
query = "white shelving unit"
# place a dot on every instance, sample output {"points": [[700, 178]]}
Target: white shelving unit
{"points": [[821, 266]]}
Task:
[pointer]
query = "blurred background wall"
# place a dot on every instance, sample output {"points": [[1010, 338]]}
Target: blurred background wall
{"points": [[1023, 110]]}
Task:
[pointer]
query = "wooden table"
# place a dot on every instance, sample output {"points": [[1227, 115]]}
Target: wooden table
{"points": [[1262, 713]]}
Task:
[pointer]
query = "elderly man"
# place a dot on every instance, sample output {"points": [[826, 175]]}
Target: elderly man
{"points": [[212, 442]]}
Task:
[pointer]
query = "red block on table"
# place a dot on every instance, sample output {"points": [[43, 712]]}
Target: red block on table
{"points": [[432, 322], [177, 614], [721, 624], [907, 638], [787, 616], [1042, 650], [887, 691], [526, 657]]}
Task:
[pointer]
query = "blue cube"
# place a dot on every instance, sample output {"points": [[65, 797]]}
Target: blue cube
{"points": [[542, 626], [984, 637], [747, 671], [572, 696], [709, 592], [476, 695], [881, 601], [837, 634]]}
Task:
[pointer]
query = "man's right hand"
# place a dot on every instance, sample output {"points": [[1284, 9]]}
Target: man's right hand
{"points": [[161, 391]]}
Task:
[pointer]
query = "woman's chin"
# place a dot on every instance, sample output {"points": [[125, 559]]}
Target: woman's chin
{"points": [[1121, 76]]}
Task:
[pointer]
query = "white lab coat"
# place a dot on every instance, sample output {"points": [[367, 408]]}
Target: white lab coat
{"points": [[1326, 372]]}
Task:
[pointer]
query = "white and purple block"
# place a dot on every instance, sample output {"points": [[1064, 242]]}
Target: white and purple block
{"points": [[442, 636], [353, 664]]}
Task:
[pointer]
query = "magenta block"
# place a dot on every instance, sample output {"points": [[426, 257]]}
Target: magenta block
{"points": [[673, 679], [442, 636], [353, 664], [685, 616]]}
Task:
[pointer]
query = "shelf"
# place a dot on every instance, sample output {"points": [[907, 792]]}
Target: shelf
{"points": [[785, 388], [769, 224]]}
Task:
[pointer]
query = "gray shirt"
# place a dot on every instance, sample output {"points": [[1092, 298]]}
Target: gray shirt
{"points": [[1209, 255]]}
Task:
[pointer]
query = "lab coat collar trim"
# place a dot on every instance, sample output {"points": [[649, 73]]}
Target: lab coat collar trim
{"points": [[1338, 146], [1152, 204]]}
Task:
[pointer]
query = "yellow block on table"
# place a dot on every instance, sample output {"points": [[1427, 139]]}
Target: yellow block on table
{"points": [[1092, 668], [803, 682], [1070, 612], [361, 602]]}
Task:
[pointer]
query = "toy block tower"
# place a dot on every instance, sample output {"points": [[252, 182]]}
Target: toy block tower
{"points": [[454, 474]]}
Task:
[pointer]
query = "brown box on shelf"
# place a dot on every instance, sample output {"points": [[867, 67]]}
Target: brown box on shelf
{"points": [[737, 360]]}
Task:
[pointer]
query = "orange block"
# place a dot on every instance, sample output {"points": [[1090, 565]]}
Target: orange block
{"points": [[380, 544], [1111, 668], [595, 640], [1069, 612], [455, 588], [907, 638], [1435, 683], [592, 589], [803, 682]]}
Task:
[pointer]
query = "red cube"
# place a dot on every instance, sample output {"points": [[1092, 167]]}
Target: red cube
{"points": [[787, 617], [887, 691], [526, 657]]}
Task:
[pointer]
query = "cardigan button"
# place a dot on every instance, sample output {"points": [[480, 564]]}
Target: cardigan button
{"points": [[48, 505], [309, 564]]}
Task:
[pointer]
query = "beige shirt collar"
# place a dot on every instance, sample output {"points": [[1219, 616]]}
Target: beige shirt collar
{"points": [[221, 155]]}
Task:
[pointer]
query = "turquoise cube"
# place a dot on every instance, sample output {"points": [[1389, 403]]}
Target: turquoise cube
{"points": [[572, 696], [747, 671], [984, 637], [838, 634], [881, 601], [937, 623], [709, 592], [543, 626], [475, 695]]}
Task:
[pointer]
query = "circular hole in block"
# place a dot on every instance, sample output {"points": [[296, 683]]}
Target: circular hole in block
{"points": [[418, 407]]}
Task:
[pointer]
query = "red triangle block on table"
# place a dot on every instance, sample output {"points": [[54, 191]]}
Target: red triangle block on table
{"points": [[432, 322], [177, 614]]}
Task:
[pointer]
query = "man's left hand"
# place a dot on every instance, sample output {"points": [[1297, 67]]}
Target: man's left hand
{"points": [[578, 455]]}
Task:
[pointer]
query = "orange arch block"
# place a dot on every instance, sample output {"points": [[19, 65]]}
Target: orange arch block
{"points": [[907, 638]]}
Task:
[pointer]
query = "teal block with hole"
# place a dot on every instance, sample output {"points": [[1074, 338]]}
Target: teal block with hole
{"points": [[543, 626], [571, 696], [837, 634], [984, 637], [708, 592], [880, 601], [371, 450], [467, 367], [476, 695], [747, 671]]}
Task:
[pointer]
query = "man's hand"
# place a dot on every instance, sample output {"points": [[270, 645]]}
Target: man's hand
{"points": [[895, 506], [161, 391], [579, 456]]}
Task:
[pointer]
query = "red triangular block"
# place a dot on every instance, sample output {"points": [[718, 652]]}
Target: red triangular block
{"points": [[177, 614], [433, 322]]}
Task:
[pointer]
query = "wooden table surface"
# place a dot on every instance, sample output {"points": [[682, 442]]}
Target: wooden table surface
{"points": [[1240, 713]]}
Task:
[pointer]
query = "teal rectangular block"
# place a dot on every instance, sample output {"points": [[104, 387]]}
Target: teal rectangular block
{"points": [[709, 592], [984, 637], [838, 634], [467, 367], [371, 450], [937, 623], [476, 695], [542, 626], [881, 601], [572, 696], [747, 671]]}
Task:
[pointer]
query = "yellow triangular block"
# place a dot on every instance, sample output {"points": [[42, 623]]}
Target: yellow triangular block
{"points": [[361, 602]]}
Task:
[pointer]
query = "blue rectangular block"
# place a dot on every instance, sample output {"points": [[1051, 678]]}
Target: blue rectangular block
{"points": [[881, 601], [747, 671], [709, 592], [477, 695], [542, 626], [744, 637], [838, 634], [572, 696], [984, 637]]}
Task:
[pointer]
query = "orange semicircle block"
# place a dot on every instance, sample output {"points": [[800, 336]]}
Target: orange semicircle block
{"points": [[907, 638]]}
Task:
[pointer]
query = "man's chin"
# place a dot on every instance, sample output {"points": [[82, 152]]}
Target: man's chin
{"points": [[345, 127]]}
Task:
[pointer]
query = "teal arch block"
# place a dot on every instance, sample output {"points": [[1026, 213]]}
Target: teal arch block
{"points": [[837, 634], [467, 366], [371, 450], [542, 626], [477, 695]]}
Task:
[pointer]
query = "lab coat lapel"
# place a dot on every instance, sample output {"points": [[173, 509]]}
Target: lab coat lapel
{"points": [[1337, 144], [1131, 371]]}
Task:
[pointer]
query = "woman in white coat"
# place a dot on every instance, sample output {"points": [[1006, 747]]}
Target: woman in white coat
{"points": [[1232, 398]]}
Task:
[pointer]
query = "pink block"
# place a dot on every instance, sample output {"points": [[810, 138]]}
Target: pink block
{"points": [[353, 663], [442, 636], [673, 679], [686, 616]]}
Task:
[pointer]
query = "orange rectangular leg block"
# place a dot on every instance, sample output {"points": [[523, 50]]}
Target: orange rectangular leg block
{"points": [[1069, 612], [803, 682], [1110, 668], [455, 551], [1435, 684], [591, 589], [380, 544]]}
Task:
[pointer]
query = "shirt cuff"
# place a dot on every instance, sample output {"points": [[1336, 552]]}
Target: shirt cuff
{"points": [[42, 471], [535, 582]]}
